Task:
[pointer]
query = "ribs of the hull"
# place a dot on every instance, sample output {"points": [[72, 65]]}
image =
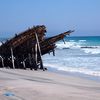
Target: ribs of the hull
{"points": [[24, 45]]}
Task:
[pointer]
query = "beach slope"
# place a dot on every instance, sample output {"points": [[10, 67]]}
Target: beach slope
{"points": [[16, 84]]}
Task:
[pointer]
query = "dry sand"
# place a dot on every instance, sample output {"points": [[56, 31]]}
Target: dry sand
{"points": [[18, 84]]}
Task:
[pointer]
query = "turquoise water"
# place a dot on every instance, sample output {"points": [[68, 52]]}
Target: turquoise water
{"points": [[77, 55], [88, 40]]}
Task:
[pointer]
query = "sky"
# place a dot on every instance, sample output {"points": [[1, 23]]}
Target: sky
{"points": [[58, 16]]}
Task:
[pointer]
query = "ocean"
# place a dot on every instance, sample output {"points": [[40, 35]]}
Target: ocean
{"points": [[78, 55]]}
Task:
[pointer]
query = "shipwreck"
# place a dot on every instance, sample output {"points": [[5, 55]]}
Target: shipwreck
{"points": [[25, 50]]}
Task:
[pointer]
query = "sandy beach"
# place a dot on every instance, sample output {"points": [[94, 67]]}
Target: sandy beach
{"points": [[16, 84]]}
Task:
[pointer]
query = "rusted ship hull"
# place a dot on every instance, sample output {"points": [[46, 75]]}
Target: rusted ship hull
{"points": [[25, 50]]}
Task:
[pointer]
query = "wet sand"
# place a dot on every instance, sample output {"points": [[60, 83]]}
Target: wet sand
{"points": [[16, 84]]}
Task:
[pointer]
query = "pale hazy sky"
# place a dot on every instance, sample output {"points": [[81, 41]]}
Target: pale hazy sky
{"points": [[57, 15]]}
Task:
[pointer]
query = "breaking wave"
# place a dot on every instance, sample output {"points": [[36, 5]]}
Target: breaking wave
{"points": [[72, 69], [77, 55], [71, 44], [92, 51], [81, 44]]}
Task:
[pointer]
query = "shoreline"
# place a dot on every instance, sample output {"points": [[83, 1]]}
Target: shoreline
{"points": [[66, 73], [45, 85], [76, 74]]}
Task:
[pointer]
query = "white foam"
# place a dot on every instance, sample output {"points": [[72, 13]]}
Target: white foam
{"points": [[61, 45], [78, 45], [92, 51], [0, 43], [80, 70], [71, 69]]}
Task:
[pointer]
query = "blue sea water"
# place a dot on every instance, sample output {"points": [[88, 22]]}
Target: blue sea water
{"points": [[77, 55]]}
